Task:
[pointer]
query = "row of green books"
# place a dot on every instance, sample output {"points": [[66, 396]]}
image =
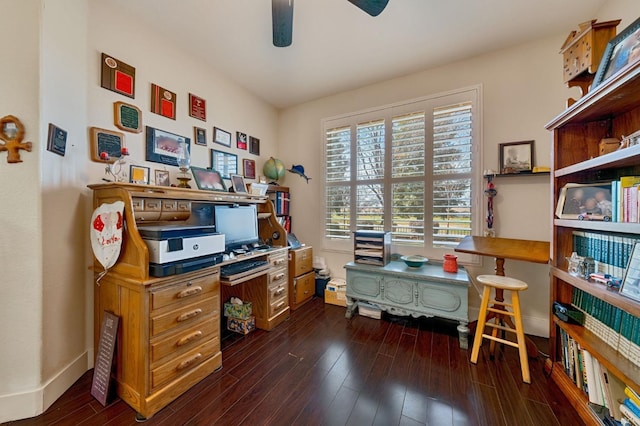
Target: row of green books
{"points": [[611, 252], [618, 328], [602, 388]]}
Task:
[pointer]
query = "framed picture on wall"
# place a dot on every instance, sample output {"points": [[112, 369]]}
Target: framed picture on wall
{"points": [[224, 162], [222, 137], [516, 157], [249, 168]]}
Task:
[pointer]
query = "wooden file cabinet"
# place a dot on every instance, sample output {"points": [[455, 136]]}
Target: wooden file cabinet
{"points": [[301, 277]]}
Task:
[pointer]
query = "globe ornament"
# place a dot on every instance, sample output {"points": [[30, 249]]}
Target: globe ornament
{"points": [[274, 169]]}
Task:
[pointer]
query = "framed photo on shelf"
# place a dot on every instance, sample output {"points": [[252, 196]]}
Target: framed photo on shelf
{"points": [[590, 201], [200, 136], [621, 52], [237, 184], [631, 284], [254, 145], [162, 177], [516, 157], [222, 137], [164, 147], [208, 179], [249, 168], [139, 174], [224, 162]]}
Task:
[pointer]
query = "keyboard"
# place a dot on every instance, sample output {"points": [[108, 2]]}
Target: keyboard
{"points": [[242, 268]]}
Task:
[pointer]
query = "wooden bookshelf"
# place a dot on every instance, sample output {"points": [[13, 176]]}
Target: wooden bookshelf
{"points": [[613, 108]]}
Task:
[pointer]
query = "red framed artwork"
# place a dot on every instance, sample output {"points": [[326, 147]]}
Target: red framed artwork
{"points": [[249, 168], [197, 107], [118, 76], [163, 102]]}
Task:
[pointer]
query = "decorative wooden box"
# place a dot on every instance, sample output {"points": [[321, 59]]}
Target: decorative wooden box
{"points": [[583, 50]]}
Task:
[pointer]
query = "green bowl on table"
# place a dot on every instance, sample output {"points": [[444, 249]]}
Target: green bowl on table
{"points": [[414, 261]]}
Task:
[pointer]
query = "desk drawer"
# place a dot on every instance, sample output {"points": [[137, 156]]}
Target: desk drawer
{"points": [[300, 261], [278, 306], [187, 339], [185, 315], [304, 287], [276, 277], [278, 260], [278, 290], [185, 292], [183, 364]]}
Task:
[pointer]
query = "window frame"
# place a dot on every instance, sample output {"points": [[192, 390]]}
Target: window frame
{"points": [[472, 94]]}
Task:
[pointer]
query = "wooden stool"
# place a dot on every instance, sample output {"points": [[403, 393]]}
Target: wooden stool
{"points": [[499, 309]]}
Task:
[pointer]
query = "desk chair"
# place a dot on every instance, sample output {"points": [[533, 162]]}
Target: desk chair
{"points": [[499, 310]]}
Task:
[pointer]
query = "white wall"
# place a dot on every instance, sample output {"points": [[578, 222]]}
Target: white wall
{"points": [[522, 90], [46, 300]]}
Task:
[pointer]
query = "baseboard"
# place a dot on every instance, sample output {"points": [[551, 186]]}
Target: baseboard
{"points": [[33, 403], [532, 325]]}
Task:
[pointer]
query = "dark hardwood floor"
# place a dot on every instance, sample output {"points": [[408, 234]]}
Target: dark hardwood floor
{"points": [[320, 369]]}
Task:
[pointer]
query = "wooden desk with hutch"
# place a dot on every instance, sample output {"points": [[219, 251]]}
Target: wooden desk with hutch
{"points": [[169, 334]]}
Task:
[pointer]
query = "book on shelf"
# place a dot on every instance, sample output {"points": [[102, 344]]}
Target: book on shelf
{"points": [[629, 416], [610, 252]]}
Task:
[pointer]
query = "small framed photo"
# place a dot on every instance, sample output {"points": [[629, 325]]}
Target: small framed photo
{"points": [[621, 52], [249, 168], [516, 157], [222, 137], [237, 184], [631, 283], [224, 162], [200, 136], [162, 177], [254, 145], [57, 140], [590, 201], [139, 174], [208, 179], [241, 140]]}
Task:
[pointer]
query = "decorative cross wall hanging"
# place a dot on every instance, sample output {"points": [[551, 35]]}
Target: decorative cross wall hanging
{"points": [[12, 132]]}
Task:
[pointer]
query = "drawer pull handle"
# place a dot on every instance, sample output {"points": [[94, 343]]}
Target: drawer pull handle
{"points": [[279, 291], [189, 315], [278, 277], [280, 305], [278, 262], [189, 292], [187, 362], [189, 338]]}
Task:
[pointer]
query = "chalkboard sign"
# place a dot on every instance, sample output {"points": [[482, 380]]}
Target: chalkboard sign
{"points": [[108, 141], [104, 358], [127, 117]]}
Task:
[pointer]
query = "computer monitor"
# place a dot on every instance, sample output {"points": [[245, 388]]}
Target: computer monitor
{"points": [[239, 224]]}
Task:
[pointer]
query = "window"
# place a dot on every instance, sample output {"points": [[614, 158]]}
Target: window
{"points": [[411, 169]]}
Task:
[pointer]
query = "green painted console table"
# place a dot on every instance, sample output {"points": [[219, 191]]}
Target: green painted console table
{"points": [[401, 290]]}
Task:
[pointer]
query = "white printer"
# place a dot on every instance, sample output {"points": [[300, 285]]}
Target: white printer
{"points": [[175, 249]]}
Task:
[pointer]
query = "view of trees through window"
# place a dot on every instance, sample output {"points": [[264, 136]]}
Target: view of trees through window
{"points": [[410, 174]]}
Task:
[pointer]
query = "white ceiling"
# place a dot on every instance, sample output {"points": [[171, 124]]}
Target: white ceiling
{"points": [[338, 47]]}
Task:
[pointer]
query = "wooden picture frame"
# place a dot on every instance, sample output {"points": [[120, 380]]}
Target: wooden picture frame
{"points": [[249, 168], [163, 101], [208, 179], [163, 147], [631, 283], [127, 117], [199, 136], [254, 145], [108, 141], [516, 157], [56, 140], [117, 76], [222, 137], [238, 185], [162, 178], [224, 162], [621, 52], [590, 201], [197, 107], [139, 174]]}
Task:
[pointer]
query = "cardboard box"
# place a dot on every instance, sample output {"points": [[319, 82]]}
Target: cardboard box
{"points": [[335, 297], [368, 310], [242, 326], [238, 311], [337, 284]]}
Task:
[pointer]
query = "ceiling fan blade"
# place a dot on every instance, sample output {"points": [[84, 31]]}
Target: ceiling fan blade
{"points": [[282, 17], [372, 7]]}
